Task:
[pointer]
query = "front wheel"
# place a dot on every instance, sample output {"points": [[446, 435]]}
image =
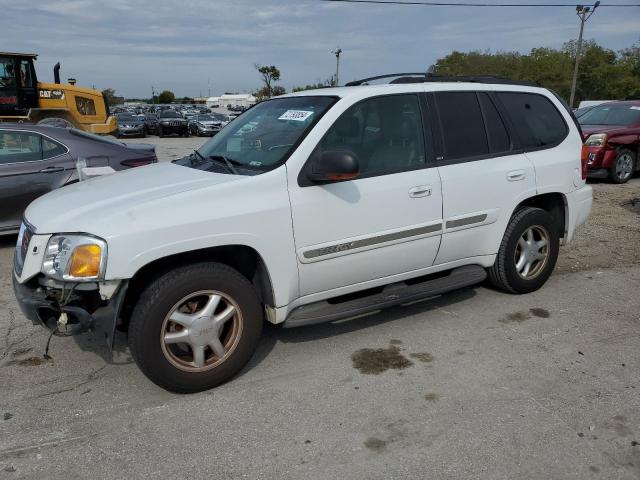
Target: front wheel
{"points": [[195, 327], [528, 252], [623, 166]]}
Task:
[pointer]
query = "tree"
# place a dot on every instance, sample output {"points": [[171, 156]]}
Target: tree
{"points": [[270, 74], [329, 82], [604, 74], [166, 96], [109, 94]]}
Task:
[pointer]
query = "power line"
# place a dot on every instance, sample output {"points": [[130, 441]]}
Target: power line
{"points": [[449, 4]]}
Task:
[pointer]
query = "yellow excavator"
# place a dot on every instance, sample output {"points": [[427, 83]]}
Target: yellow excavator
{"points": [[24, 99]]}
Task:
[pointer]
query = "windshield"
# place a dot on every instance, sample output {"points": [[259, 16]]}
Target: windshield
{"points": [[263, 137], [205, 118], [611, 115], [170, 114], [126, 118], [219, 116]]}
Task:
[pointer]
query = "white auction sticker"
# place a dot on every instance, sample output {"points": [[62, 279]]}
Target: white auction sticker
{"points": [[633, 107], [297, 115]]}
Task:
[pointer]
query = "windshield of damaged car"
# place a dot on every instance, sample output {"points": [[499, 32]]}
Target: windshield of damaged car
{"points": [[263, 137], [170, 114], [127, 118], [205, 118], [611, 115]]}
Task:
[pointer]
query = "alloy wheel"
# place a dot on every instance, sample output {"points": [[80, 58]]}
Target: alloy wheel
{"points": [[532, 252], [624, 166], [201, 330]]}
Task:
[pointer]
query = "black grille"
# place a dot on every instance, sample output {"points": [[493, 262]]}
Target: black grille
{"points": [[22, 247]]}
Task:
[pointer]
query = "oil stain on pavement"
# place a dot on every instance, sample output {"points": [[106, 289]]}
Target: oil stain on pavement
{"points": [[374, 361], [540, 312]]}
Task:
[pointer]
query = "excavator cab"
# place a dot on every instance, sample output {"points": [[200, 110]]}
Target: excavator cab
{"points": [[18, 84]]}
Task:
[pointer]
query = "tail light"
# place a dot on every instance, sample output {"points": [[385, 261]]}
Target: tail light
{"points": [[583, 160], [138, 162]]}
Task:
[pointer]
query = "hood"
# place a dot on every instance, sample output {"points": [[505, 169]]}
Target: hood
{"points": [[107, 203], [209, 122], [610, 129], [134, 123]]}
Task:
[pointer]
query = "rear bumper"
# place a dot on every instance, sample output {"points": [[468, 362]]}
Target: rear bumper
{"points": [[579, 204]]}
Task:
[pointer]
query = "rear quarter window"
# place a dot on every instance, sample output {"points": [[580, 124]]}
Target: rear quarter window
{"points": [[536, 120]]}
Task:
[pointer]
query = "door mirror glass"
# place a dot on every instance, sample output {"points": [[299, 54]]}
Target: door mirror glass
{"points": [[334, 166]]}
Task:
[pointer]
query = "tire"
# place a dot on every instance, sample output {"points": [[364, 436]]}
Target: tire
{"points": [[57, 121], [505, 274], [623, 166], [160, 133], [168, 365]]}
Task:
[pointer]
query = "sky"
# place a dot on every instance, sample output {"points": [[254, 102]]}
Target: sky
{"points": [[197, 47]]}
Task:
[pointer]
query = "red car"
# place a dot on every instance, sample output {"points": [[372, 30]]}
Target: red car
{"points": [[612, 140]]}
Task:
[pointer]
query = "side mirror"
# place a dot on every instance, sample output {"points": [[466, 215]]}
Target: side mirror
{"points": [[334, 166]]}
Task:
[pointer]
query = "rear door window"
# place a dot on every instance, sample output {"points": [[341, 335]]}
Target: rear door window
{"points": [[537, 122], [52, 149], [499, 141], [462, 125], [19, 146]]}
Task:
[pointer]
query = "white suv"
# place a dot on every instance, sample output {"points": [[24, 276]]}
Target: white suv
{"points": [[308, 208]]}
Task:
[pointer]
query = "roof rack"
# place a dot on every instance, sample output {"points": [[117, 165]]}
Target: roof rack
{"points": [[430, 77]]}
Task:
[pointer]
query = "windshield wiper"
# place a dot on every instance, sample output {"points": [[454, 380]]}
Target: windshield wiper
{"points": [[227, 161], [199, 155]]}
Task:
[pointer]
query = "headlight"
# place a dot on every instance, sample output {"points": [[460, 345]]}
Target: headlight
{"points": [[78, 258], [596, 140]]}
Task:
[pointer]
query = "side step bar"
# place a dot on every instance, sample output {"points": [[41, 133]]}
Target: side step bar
{"points": [[394, 294]]}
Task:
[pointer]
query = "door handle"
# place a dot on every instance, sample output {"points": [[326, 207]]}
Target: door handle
{"points": [[420, 191], [52, 169], [516, 175]]}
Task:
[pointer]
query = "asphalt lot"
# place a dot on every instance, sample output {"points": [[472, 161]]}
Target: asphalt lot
{"points": [[474, 384]]}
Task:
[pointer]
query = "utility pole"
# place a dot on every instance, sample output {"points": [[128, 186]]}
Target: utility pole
{"points": [[337, 53], [584, 13], [153, 96]]}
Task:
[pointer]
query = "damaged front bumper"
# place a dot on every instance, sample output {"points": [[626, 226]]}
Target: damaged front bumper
{"points": [[88, 309]]}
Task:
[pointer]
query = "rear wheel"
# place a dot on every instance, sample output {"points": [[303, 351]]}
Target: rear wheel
{"points": [[160, 132], [195, 327], [528, 252], [623, 166]]}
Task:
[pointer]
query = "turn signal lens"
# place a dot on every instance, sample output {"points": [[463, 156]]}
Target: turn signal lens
{"points": [[583, 161], [85, 261]]}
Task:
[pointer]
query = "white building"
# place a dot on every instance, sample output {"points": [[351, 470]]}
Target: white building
{"points": [[213, 102], [239, 100]]}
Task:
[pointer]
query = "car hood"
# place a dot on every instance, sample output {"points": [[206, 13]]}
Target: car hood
{"points": [[610, 129], [209, 122], [106, 204]]}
